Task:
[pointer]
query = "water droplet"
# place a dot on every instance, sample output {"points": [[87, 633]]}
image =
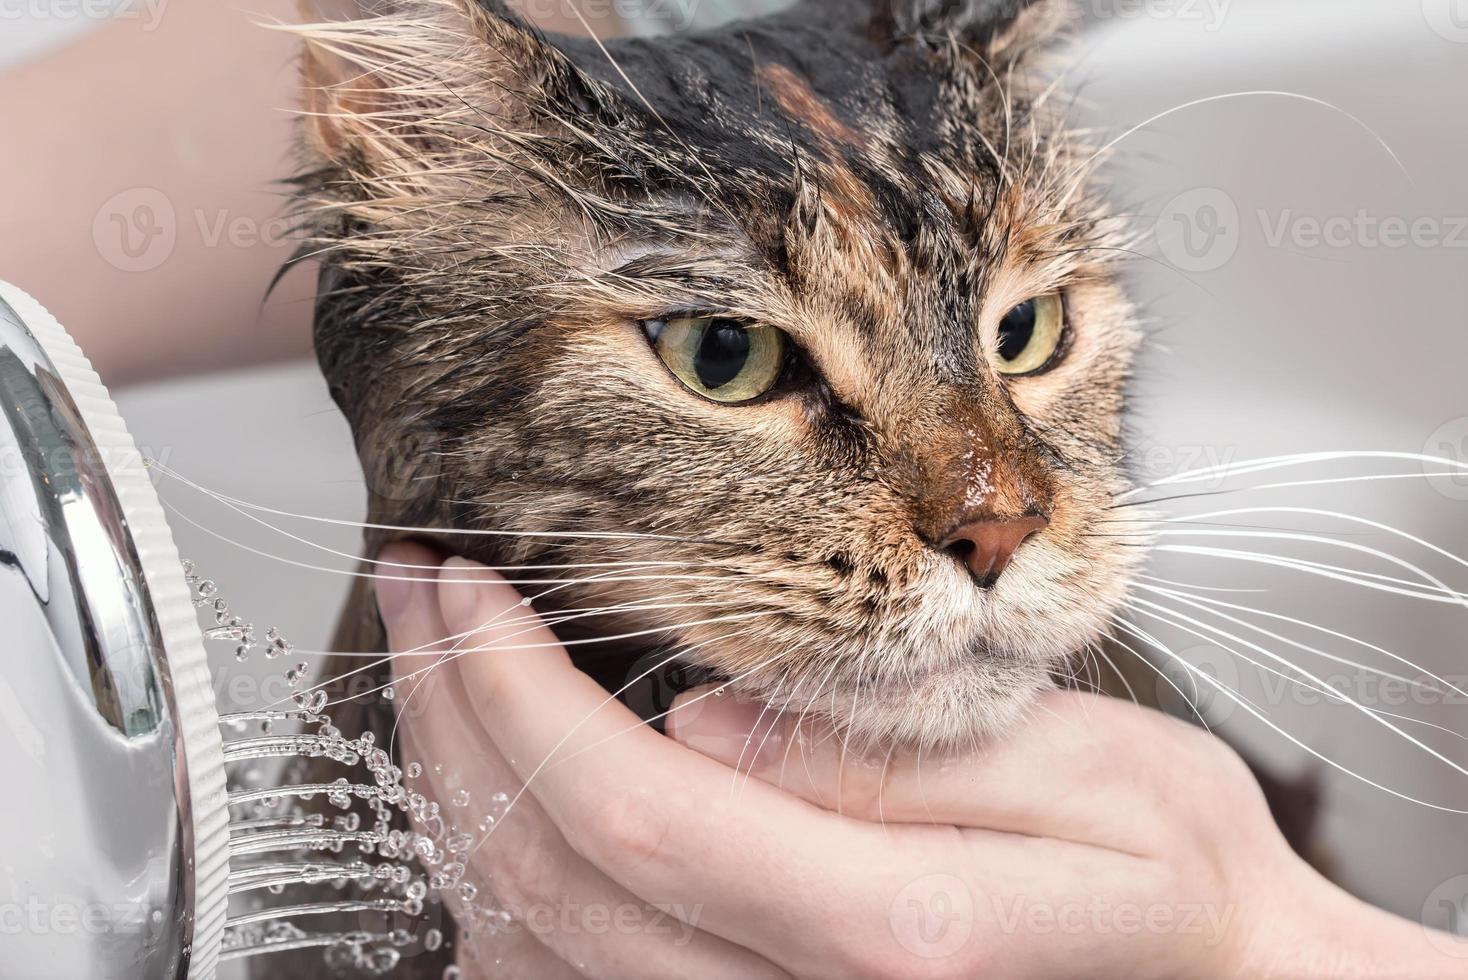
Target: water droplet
{"points": [[432, 940], [389, 693]]}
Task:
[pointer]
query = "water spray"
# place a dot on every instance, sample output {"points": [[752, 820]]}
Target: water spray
{"points": [[153, 837]]}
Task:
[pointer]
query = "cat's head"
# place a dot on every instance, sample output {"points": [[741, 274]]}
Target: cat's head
{"points": [[814, 315]]}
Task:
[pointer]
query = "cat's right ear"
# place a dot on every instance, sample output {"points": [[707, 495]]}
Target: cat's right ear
{"points": [[389, 81]]}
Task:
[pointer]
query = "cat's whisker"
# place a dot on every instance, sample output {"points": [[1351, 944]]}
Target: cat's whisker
{"points": [[1259, 715], [1309, 538], [1176, 620], [1339, 515], [609, 699], [716, 692], [157, 467], [785, 707], [1368, 580], [800, 726], [498, 646], [526, 602], [1198, 588], [378, 576], [1147, 662], [851, 724], [1269, 463], [1100, 652], [244, 512], [1214, 605], [734, 780], [531, 621], [1084, 167]]}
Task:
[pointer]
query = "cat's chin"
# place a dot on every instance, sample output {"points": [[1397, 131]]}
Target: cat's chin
{"points": [[945, 709]]}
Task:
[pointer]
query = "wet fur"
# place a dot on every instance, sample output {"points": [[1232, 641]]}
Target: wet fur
{"points": [[493, 212]]}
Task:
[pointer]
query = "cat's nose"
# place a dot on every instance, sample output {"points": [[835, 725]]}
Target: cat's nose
{"points": [[985, 546]]}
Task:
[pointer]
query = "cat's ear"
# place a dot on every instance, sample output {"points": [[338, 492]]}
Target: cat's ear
{"points": [[997, 29], [394, 77]]}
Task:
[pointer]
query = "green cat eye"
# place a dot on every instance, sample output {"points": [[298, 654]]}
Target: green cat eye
{"points": [[721, 358], [1030, 335]]}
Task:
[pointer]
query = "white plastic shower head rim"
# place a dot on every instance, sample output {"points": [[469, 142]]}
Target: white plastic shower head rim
{"points": [[186, 669]]}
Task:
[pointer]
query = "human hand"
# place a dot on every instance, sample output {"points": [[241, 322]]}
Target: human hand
{"points": [[1099, 839]]}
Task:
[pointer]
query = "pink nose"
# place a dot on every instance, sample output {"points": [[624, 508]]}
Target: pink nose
{"points": [[986, 546]]}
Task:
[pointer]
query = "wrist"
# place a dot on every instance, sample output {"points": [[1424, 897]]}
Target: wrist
{"points": [[1301, 926]]}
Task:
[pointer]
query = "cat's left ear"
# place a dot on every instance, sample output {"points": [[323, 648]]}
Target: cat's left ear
{"points": [[399, 80], [998, 29]]}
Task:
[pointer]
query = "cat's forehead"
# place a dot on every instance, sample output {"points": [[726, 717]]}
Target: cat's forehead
{"points": [[755, 102]]}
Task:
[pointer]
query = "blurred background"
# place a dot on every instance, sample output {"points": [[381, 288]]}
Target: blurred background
{"points": [[1303, 271]]}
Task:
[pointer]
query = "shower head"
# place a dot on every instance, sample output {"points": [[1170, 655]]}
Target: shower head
{"points": [[118, 828]]}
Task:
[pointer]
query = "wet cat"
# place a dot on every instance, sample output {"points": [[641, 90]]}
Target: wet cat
{"points": [[794, 347]]}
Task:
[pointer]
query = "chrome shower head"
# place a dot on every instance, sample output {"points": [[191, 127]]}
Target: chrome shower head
{"points": [[118, 831]]}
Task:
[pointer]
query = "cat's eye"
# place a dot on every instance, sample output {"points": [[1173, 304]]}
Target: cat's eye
{"points": [[1031, 335], [721, 358]]}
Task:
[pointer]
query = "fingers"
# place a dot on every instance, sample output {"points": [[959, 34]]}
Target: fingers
{"points": [[410, 612], [557, 898], [1057, 775], [662, 820]]}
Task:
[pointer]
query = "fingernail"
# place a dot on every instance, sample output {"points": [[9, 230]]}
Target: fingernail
{"points": [[731, 729], [395, 588]]}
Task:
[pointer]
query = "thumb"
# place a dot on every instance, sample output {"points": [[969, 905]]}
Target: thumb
{"points": [[1048, 776]]}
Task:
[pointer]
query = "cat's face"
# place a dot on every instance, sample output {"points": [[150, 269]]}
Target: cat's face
{"points": [[778, 324]]}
